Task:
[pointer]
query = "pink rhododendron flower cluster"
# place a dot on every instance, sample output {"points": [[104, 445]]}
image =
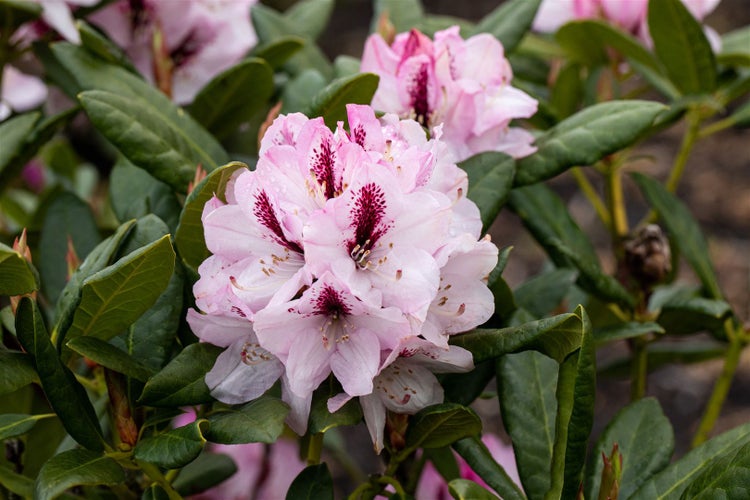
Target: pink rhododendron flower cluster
{"points": [[354, 253], [180, 45], [57, 15], [465, 85], [630, 15]]}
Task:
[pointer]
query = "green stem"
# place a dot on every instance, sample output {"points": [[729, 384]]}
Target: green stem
{"points": [[616, 203], [717, 126], [688, 141], [314, 448], [721, 389], [592, 196], [639, 369], [156, 476]]}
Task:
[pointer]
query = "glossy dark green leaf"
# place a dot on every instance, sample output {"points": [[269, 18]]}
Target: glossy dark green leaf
{"points": [[206, 471], [181, 382], [109, 356], [175, 448], [66, 396], [103, 47], [645, 439], [330, 103], [509, 22], [189, 236], [276, 53], [15, 424], [155, 492], [16, 371], [311, 16], [490, 180], [586, 137], [545, 216], [260, 421], [527, 382], [67, 216], [224, 103], [694, 314], [13, 13], [463, 489], [301, 90], [17, 276], [313, 483], [444, 461], [76, 468], [97, 259], [115, 297], [321, 420], [576, 389], [480, 460], [727, 476], [440, 425], [684, 230], [134, 193], [670, 483], [403, 14], [16, 483], [622, 331], [682, 47], [544, 292], [556, 337]]}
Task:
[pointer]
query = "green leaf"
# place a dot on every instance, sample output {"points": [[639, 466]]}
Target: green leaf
{"points": [[727, 476], [568, 91], [311, 16], [682, 47], [735, 47], [544, 214], [321, 420], [181, 382], [67, 216], [175, 448], [623, 331], [313, 483], [277, 52], [14, 424], [586, 137], [527, 382], [330, 103], [480, 460], [464, 388], [189, 236], [260, 421], [694, 314], [134, 193], [115, 297], [16, 371], [576, 389], [440, 425], [17, 276], [103, 47], [76, 468], [16, 483], [96, 260], [66, 396], [490, 180], [685, 232], [403, 14], [109, 356], [544, 292], [741, 117], [224, 103], [671, 482], [556, 337], [206, 471], [301, 90], [463, 489], [13, 13], [509, 22], [645, 439], [13, 135]]}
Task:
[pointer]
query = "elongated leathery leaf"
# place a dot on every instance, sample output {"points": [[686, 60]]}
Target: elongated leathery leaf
{"points": [[16, 371], [66, 396], [586, 137], [681, 224], [208, 470], [16, 483], [727, 476], [14, 424], [490, 179], [313, 483], [670, 483], [463, 489], [576, 388], [17, 276], [440, 425], [189, 236], [480, 460], [645, 439], [175, 448], [276, 53], [330, 103], [509, 22], [116, 296], [556, 337], [682, 47], [322, 420], [109, 356], [75, 468], [527, 382], [311, 16], [260, 421]]}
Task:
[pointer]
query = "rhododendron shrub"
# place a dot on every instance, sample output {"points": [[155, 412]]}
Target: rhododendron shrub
{"points": [[443, 259]]}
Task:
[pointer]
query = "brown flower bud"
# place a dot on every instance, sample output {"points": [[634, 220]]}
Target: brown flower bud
{"points": [[648, 258]]}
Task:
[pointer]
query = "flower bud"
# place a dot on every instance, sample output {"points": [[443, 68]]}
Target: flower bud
{"points": [[648, 258]]}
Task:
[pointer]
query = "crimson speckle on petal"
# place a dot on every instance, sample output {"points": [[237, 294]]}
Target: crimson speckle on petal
{"points": [[367, 215], [324, 159], [331, 303], [266, 215]]}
